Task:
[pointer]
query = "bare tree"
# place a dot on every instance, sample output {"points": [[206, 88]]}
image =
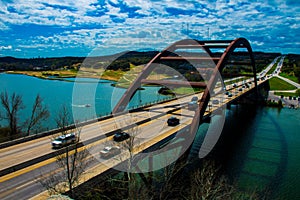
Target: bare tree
{"points": [[206, 183], [129, 185], [63, 119], [167, 177], [71, 164], [39, 113], [12, 105], [128, 145]]}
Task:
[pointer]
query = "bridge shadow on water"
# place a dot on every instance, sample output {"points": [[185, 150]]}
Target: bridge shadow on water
{"points": [[252, 150]]}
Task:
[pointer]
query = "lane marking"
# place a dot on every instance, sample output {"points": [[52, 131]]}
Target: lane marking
{"points": [[51, 160]]}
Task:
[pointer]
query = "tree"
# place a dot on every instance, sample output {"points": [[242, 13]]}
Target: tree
{"points": [[63, 119], [39, 113], [206, 183], [12, 105], [71, 163]]}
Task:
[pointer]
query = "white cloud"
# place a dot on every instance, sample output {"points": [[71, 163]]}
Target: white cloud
{"points": [[9, 47], [81, 25]]}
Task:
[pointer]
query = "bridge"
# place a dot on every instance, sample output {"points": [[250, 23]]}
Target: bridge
{"points": [[214, 75]]}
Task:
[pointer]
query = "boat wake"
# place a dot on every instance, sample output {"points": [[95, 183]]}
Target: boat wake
{"points": [[81, 105]]}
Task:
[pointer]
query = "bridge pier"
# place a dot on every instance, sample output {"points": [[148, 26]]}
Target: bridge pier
{"points": [[258, 97]]}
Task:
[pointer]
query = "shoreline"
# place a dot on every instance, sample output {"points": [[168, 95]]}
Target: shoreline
{"points": [[60, 77], [64, 78]]}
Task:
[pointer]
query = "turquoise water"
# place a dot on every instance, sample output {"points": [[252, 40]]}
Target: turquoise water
{"points": [[259, 147], [75, 94], [260, 150]]}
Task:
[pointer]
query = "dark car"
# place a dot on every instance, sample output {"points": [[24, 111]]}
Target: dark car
{"points": [[194, 98], [118, 137], [64, 140], [215, 101], [110, 151], [173, 121]]}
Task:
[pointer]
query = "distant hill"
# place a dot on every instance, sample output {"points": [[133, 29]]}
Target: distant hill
{"points": [[122, 61], [117, 61]]}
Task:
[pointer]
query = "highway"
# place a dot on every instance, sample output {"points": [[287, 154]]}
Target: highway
{"points": [[24, 183], [269, 67], [151, 128]]}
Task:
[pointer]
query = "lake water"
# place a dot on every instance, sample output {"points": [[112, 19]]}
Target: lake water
{"points": [[84, 97], [259, 147], [259, 150]]}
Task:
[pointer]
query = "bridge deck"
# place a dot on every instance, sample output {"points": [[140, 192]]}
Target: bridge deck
{"points": [[154, 119]]}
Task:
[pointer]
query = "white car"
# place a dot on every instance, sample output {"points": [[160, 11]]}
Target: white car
{"points": [[110, 151], [64, 140]]}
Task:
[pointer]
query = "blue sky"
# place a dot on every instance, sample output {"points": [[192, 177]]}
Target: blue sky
{"points": [[48, 28]]}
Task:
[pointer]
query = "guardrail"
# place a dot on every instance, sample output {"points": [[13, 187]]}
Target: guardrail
{"points": [[72, 147], [22, 139]]}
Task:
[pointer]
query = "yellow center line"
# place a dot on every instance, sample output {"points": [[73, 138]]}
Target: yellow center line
{"points": [[45, 162], [51, 160]]}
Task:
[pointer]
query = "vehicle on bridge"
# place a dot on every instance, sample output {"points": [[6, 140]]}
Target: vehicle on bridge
{"points": [[64, 140], [192, 105], [215, 101], [173, 121], [110, 151], [119, 137], [194, 98]]}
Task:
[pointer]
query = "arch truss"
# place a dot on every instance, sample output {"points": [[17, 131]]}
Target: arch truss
{"points": [[219, 52]]}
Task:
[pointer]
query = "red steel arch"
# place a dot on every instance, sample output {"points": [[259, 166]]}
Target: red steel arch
{"points": [[207, 46], [234, 44]]}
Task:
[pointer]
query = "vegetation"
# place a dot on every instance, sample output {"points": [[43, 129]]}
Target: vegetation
{"points": [[39, 113], [12, 105], [179, 91], [205, 182], [278, 84], [263, 59], [55, 74], [291, 67], [71, 164], [39, 64], [287, 94], [114, 66], [274, 104], [291, 77]]}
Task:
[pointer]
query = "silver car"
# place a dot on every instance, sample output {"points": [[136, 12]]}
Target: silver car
{"points": [[110, 151], [64, 140]]}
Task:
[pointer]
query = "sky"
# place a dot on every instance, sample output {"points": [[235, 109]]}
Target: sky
{"points": [[56, 28]]}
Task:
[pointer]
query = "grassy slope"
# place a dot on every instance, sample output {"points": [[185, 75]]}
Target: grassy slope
{"points": [[288, 76], [287, 94], [278, 84], [46, 74]]}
